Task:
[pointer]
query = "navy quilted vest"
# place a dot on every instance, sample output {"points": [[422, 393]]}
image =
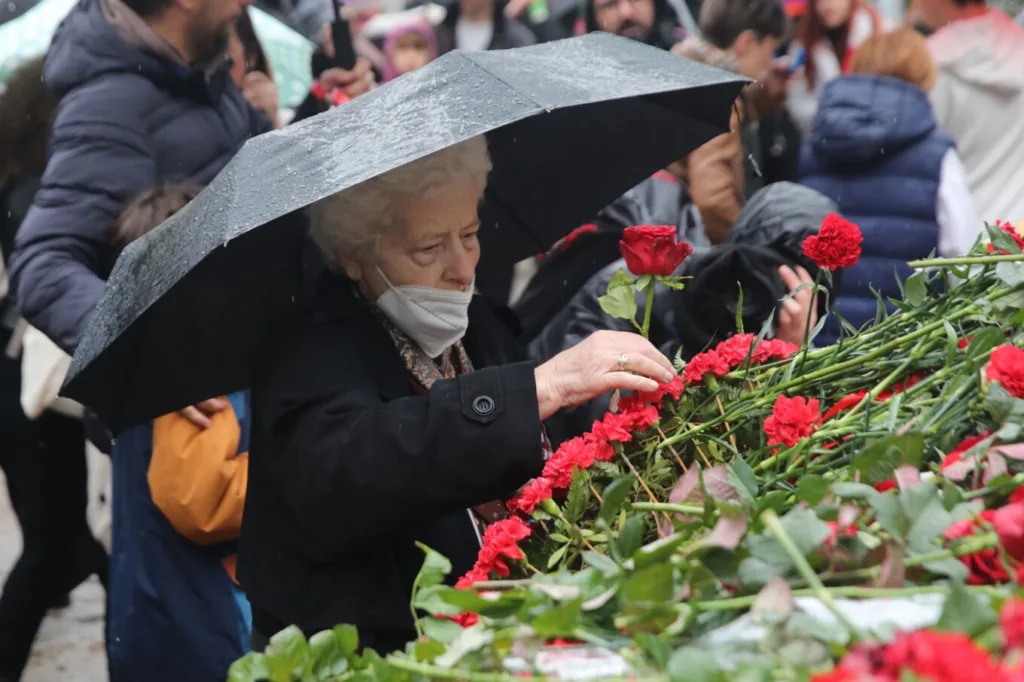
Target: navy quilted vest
{"points": [[875, 150]]}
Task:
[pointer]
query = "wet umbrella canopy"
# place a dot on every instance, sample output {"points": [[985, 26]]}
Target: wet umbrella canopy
{"points": [[571, 125]]}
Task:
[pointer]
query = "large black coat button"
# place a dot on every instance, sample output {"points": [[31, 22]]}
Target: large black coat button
{"points": [[483, 405]]}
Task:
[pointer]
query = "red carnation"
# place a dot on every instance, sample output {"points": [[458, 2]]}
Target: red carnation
{"points": [[1006, 366], [653, 249], [1011, 620], [734, 350], [558, 469], [1009, 229], [674, 389], [616, 426], [775, 349], [792, 420], [499, 543], [940, 657], [703, 363], [984, 567], [837, 244], [845, 403], [533, 493]]}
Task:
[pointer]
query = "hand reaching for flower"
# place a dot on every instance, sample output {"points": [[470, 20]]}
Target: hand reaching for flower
{"points": [[794, 311], [604, 362]]}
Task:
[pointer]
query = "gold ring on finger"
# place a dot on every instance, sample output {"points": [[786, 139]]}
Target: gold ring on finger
{"points": [[623, 361]]}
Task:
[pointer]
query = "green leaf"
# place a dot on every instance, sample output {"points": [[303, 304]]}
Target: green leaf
{"points": [[854, 491], [577, 498], [471, 639], [963, 612], [327, 657], [806, 529], [643, 281], [556, 556], [657, 551], [288, 654], [427, 650], [559, 621], [348, 638], [743, 479], [690, 664], [983, 341], [614, 497], [890, 515], [631, 536], [739, 309], [1001, 240], [440, 630], [252, 667], [655, 647], [774, 603], [651, 584], [620, 301], [754, 572], [812, 489], [602, 563], [435, 568], [951, 494], [879, 460], [1012, 274], [431, 600], [915, 289]]}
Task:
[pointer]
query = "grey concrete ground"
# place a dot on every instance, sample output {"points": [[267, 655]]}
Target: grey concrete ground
{"points": [[69, 647]]}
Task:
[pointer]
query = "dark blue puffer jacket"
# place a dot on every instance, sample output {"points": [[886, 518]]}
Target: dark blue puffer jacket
{"points": [[875, 150], [128, 120]]}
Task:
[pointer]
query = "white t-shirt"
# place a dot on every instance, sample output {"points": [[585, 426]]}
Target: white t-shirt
{"points": [[959, 224], [473, 36]]}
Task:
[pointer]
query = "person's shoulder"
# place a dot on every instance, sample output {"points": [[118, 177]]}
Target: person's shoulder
{"points": [[116, 99]]}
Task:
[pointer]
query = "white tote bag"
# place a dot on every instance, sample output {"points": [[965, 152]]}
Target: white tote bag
{"points": [[43, 367]]}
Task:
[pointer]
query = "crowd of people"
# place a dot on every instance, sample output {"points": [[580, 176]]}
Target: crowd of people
{"points": [[408, 395]]}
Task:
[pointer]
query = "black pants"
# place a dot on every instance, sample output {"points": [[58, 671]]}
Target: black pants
{"points": [[44, 462]]}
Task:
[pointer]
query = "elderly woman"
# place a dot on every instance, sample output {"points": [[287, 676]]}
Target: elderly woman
{"points": [[398, 406]]}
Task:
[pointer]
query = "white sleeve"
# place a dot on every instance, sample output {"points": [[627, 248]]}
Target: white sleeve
{"points": [[959, 225]]}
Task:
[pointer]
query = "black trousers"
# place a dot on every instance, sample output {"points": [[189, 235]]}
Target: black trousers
{"points": [[44, 462]]}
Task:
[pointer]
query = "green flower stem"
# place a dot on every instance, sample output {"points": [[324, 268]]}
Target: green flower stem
{"points": [[668, 507], [965, 260], [1013, 483], [739, 603], [772, 522], [648, 307], [807, 322], [437, 673]]}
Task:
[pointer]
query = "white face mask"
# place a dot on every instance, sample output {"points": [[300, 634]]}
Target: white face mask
{"points": [[433, 318]]}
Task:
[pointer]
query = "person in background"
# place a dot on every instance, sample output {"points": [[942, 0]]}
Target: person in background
{"points": [[250, 69], [740, 36], [979, 96], [476, 25], [876, 150], [830, 32], [650, 21], [174, 611], [43, 460], [408, 47]]}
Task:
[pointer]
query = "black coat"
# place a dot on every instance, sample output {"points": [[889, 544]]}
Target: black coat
{"points": [[349, 467]]}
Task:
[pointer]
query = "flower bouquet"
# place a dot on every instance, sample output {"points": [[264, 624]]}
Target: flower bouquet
{"points": [[811, 493]]}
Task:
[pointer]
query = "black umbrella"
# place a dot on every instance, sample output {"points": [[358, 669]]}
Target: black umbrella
{"points": [[570, 125]]}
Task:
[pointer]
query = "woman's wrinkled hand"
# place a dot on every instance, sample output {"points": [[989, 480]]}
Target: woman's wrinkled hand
{"points": [[593, 367], [794, 311]]}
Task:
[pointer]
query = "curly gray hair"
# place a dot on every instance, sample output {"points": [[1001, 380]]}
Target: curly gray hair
{"points": [[351, 222]]}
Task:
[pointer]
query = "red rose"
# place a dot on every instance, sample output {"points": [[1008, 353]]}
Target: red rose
{"points": [[885, 486], [1006, 366], [533, 493], [1009, 229], [1011, 620], [1009, 524], [837, 244], [792, 420], [653, 249], [984, 567], [703, 363]]}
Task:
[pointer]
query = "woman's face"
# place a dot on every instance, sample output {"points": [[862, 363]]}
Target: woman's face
{"points": [[833, 13], [410, 52], [434, 244]]}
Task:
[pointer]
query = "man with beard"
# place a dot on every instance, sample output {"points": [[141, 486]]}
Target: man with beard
{"points": [[147, 99], [650, 21]]}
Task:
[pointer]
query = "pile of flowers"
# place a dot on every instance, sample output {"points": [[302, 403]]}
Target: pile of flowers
{"points": [[888, 467]]}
